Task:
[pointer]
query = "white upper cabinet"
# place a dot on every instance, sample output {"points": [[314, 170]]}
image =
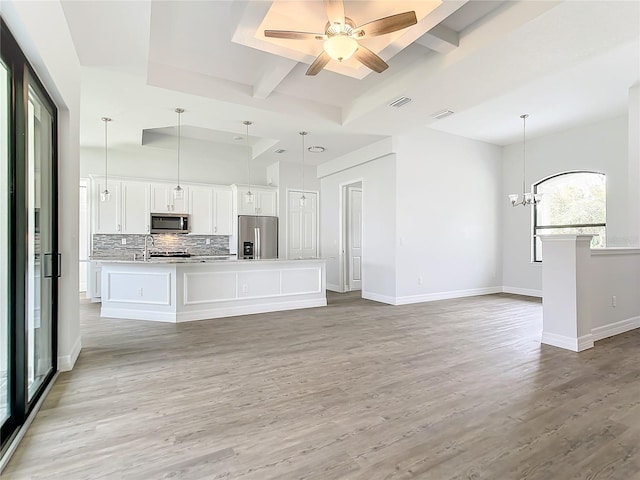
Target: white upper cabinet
{"points": [[223, 211], [211, 210], [106, 215], [265, 200], [126, 211], [162, 200], [201, 210], [135, 207]]}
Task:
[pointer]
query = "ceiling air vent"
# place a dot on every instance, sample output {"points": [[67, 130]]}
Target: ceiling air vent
{"points": [[400, 102], [441, 114]]}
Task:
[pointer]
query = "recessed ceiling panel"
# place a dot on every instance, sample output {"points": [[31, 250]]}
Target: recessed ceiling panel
{"points": [[310, 16]]}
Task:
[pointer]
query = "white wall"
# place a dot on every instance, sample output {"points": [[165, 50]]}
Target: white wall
{"points": [[41, 30], [448, 216], [600, 147], [379, 222], [220, 164]]}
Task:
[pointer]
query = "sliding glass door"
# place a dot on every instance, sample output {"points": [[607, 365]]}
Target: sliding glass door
{"points": [[40, 245], [29, 262], [4, 243]]}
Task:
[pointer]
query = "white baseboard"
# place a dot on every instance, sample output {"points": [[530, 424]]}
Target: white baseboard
{"points": [[335, 288], [66, 362], [431, 297], [212, 312], [568, 343], [128, 313], [522, 291], [250, 309], [616, 328], [379, 298]]}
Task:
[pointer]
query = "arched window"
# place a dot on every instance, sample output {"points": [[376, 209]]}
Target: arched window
{"points": [[572, 202]]}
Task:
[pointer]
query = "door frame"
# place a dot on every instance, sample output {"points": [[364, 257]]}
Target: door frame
{"points": [[343, 232], [286, 233]]}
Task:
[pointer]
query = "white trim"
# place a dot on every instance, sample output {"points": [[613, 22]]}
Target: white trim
{"points": [[522, 291], [431, 297], [214, 311], [615, 251], [66, 362], [379, 298], [250, 309], [129, 313], [615, 328], [19, 435], [335, 288], [568, 343]]}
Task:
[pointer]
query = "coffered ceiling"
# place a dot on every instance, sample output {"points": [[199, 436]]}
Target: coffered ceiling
{"points": [[489, 61]]}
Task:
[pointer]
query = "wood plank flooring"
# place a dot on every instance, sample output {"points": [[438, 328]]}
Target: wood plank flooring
{"points": [[456, 389]]}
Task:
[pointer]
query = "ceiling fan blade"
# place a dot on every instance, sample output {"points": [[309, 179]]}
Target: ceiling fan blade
{"points": [[386, 25], [319, 63], [370, 59], [335, 10], [289, 35]]}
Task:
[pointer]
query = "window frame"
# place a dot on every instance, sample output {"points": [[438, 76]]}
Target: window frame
{"points": [[534, 222]]}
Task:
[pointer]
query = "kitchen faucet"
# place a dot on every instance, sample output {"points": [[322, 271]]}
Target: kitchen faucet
{"points": [[145, 254]]}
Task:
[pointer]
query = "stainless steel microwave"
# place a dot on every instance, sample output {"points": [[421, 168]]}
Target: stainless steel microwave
{"points": [[169, 223]]}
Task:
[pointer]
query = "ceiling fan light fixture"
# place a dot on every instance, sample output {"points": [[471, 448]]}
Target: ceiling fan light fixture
{"points": [[340, 47]]}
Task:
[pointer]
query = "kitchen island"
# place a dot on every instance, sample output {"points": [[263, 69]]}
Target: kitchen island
{"points": [[182, 290]]}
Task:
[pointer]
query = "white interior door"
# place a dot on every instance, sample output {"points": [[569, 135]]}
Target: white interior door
{"points": [[302, 225], [354, 238]]}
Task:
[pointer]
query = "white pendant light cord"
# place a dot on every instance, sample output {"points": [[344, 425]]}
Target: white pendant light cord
{"points": [[249, 194], [524, 151], [105, 194], [179, 111], [303, 198]]}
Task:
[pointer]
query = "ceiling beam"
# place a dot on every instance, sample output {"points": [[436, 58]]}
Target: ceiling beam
{"points": [[440, 39], [269, 81]]}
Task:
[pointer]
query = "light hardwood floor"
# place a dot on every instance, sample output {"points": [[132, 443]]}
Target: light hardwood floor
{"points": [[457, 389]]}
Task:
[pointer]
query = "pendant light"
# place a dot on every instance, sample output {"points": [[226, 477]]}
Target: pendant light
{"points": [[303, 199], [178, 192], [105, 195], [248, 197], [528, 198]]}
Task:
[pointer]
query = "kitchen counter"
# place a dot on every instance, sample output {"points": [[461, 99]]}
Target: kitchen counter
{"points": [[196, 288]]}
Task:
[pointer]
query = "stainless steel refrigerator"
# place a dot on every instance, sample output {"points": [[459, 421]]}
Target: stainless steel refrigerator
{"points": [[257, 237]]}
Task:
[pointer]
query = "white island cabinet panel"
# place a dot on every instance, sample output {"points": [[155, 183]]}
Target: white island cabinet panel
{"points": [[139, 287], [255, 284], [188, 291], [301, 280], [204, 287]]}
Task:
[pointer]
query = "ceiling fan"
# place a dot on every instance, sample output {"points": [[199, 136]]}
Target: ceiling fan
{"points": [[341, 37]]}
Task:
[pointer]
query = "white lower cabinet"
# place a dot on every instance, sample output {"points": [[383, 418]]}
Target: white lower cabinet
{"points": [[95, 281]]}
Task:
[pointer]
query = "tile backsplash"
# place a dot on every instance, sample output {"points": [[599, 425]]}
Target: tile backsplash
{"points": [[111, 245]]}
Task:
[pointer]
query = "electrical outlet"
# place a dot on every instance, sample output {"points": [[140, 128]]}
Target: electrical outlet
{"points": [[124, 241], [245, 288], [420, 280], [614, 301], [208, 241]]}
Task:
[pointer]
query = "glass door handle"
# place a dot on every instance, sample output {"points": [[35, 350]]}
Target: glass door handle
{"points": [[48, 268]]}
